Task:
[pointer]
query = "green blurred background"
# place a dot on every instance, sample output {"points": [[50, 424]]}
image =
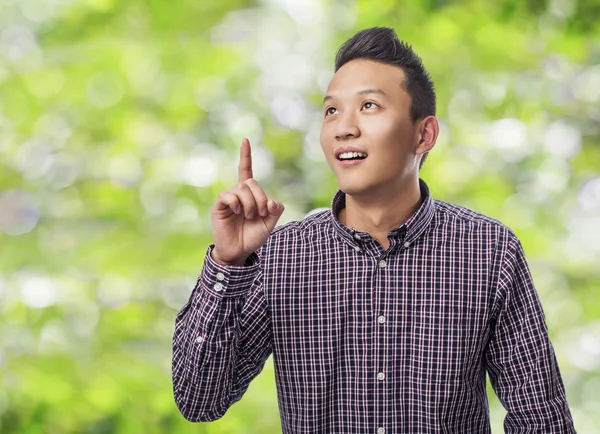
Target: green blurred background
{"points": [[120, 122]]}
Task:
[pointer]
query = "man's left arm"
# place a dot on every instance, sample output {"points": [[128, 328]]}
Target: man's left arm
{"points": [[520, 359]]}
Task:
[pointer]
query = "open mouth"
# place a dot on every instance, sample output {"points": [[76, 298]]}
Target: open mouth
{"points": [[349, 156]]}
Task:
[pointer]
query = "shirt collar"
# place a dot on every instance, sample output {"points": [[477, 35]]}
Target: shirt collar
{"points": [[409, 231]]}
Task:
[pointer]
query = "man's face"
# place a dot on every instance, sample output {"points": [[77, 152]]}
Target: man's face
{"points": [[366, 111]]}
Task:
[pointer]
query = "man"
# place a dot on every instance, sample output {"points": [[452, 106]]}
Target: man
{"points": [[384, 314]]}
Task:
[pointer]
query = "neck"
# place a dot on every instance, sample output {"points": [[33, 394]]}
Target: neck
{"points": [[380, 214]]}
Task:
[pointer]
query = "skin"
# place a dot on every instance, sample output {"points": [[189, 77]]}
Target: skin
{"points": [[365, 107], [243, 217]]}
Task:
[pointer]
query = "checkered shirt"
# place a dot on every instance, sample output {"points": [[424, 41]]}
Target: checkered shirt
{"points": [[372, 341]]}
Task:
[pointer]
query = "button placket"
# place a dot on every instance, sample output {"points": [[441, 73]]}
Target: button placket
{"points": [[382, 332]]}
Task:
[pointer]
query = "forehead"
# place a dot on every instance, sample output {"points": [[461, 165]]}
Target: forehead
{"points": [[360, 74]]}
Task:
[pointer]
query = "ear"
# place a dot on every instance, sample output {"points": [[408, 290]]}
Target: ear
{"points": [[428, 134]]}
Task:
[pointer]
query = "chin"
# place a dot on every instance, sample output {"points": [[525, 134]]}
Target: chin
{"points": [[352, 189]]}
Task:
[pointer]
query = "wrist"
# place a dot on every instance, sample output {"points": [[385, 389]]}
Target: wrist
{"points": [[238, 262]]}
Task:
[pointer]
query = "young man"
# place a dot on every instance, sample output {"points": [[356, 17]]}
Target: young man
{"points": [[384, 314]]}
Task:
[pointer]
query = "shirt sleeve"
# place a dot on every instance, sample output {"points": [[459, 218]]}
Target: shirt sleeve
{"points": [[221, 341], [520, 359]]}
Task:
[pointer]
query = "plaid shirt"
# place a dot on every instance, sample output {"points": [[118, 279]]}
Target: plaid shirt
{"points": [[372, 341]]}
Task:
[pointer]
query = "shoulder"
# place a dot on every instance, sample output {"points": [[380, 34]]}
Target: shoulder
{"points": [[460, 214], [454, 218]]}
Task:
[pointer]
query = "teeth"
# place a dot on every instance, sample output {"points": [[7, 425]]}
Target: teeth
{"points": [[348, 155]]}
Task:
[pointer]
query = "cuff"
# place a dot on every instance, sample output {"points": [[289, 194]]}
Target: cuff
{"points": [[227, 281]]}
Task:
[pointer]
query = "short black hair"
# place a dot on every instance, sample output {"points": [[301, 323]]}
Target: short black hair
{"points": [[381, 44]]}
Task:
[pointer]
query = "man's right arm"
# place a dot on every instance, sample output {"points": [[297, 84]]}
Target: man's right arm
{"points": [[223, 335], [222, 339]]}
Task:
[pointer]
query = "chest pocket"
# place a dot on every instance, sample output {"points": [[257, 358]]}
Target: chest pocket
{"points": [[446, 343]]}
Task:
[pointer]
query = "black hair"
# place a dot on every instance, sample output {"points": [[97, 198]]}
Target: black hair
{"points": [[381, 44]]}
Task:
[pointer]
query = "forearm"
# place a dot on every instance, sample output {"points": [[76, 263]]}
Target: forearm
{"points": [[221, 340], [520, 358], [536, 400], [200, 381]]}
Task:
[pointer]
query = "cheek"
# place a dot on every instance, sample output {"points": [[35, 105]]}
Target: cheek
{"points": [[392, 132], [325, 137], [385, 134]]}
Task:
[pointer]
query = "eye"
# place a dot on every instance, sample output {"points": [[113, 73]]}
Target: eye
{"points": [[330, 111], [368, 105]]}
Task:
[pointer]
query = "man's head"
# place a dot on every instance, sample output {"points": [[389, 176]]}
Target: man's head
{"points": [[397, 127]]}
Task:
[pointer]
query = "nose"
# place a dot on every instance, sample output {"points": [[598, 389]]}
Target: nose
{"points": [[347, 127]]}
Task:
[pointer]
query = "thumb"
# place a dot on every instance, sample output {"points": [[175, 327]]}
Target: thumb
{"points": [[275, 210]]}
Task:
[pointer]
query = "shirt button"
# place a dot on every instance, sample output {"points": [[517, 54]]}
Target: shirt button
{"points": [[382, 263], [381, 319], [357, 248], [220, 276], [406, 244], [381, 376], [380, 430], [218, 287], [357, 237], [199, 339]]}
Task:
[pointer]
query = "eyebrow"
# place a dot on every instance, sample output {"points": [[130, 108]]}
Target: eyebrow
{"points": [[370, 91]]}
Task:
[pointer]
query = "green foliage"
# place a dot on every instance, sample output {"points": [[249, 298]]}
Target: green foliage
{"points": [[119, 125]]}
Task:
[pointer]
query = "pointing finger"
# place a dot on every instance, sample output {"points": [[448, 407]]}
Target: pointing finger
{"points": [[245, 166]]}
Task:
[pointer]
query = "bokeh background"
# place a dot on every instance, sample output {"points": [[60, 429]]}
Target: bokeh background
{"points": [[120, 122]]}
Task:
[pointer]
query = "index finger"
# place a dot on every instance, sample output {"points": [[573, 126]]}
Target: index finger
{"points": [[245, 166]]}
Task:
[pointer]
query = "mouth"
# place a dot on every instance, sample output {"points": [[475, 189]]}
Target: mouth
{"points": [[351, 156]]}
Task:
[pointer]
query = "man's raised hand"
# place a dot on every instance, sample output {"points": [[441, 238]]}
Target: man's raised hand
{"points": [[243, 217]]}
